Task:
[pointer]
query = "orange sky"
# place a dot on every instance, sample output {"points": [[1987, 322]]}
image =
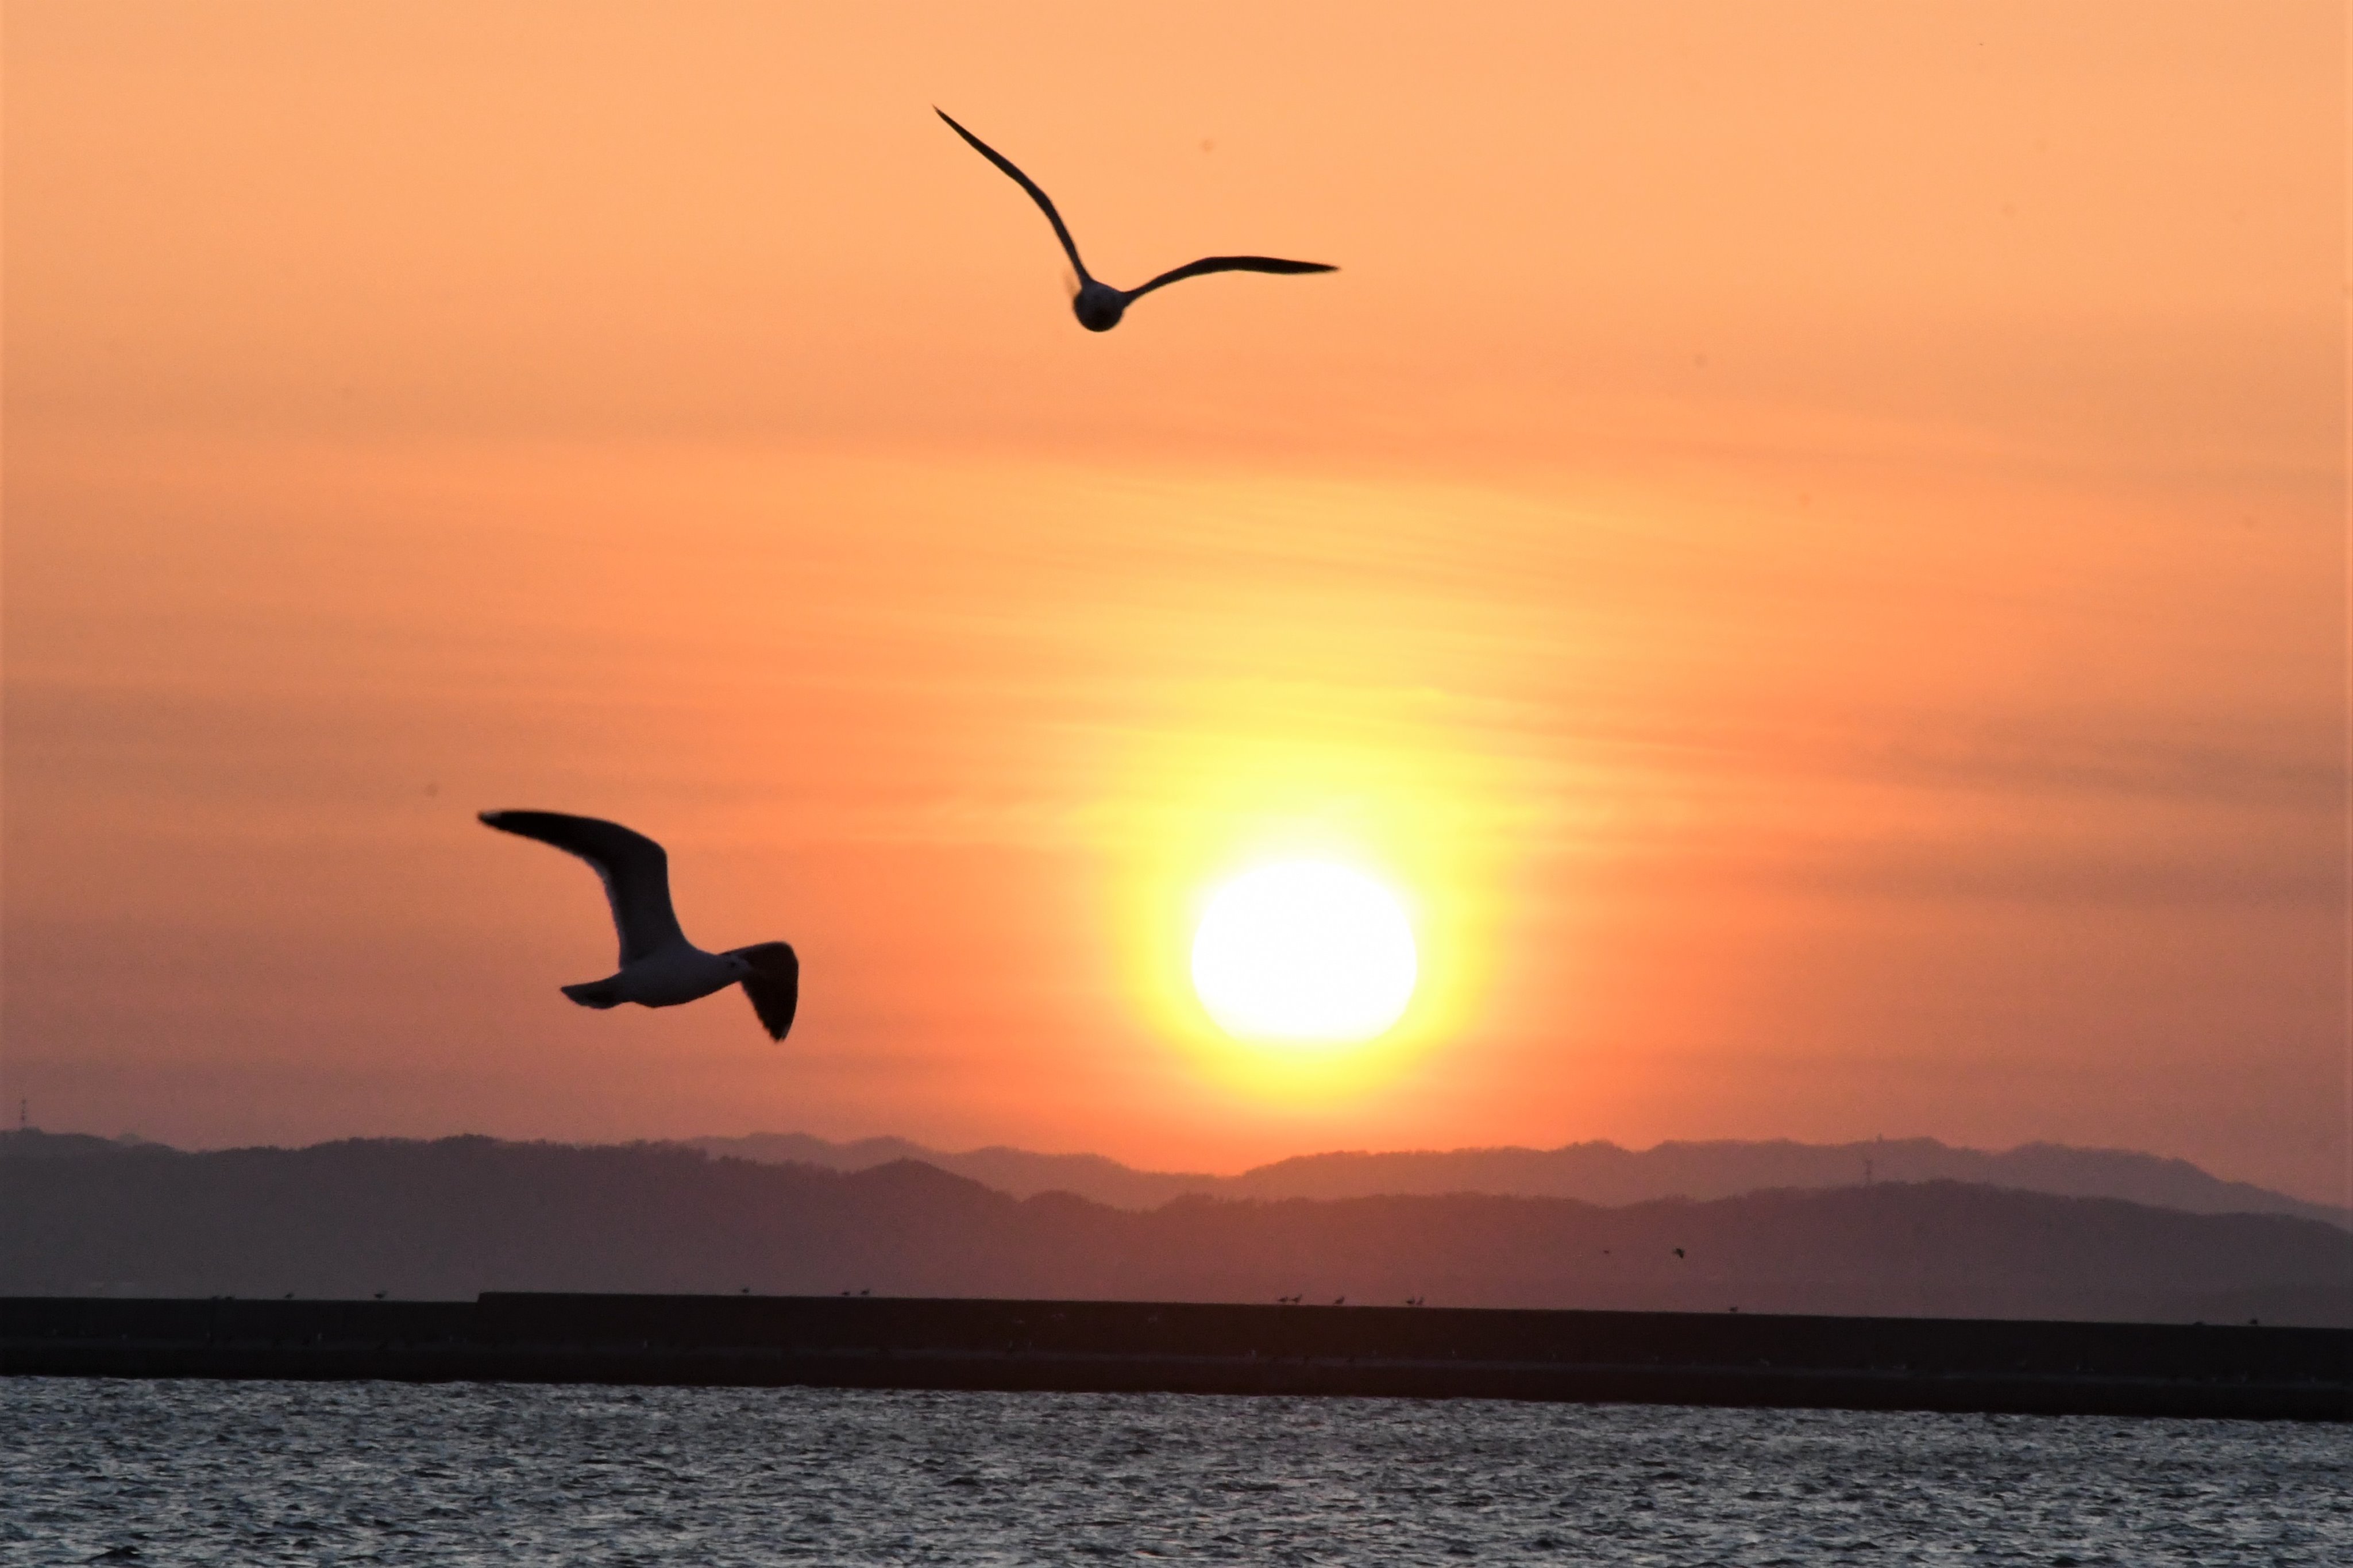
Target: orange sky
{"points": [[1807, 540]]}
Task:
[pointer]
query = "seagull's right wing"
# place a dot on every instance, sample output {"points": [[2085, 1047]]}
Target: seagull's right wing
{"points": [[1026, 182], [774, 986], [634, 868], [1229, 264]]}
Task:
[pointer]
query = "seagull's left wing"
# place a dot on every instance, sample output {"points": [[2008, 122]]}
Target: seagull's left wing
{"points": [[1229, 264], [633, 868], [1061, 232]]}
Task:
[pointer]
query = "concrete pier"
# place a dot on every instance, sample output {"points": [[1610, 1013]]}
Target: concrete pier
{"points": [[1735, 1359]]}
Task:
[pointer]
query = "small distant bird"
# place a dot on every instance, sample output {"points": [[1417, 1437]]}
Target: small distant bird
{"points": [[379, 1295], [1098, 305], [1678, 1252], [660, 968], [1340, 1301]]}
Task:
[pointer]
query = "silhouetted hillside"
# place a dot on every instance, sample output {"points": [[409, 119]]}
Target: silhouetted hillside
{"points": [[465, 1215], [1016, 1170], [1595, 1173], [32, 1143]]}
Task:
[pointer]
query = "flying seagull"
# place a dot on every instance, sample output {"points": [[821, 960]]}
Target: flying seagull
{"points": [[1098, 305], [660, 968]]}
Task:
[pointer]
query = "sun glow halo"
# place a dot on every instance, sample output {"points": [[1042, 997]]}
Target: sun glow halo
{"points": [[1304, 953]]}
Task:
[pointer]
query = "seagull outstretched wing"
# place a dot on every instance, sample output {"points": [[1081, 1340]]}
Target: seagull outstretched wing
{"points": [[1229, 264], [634, 868], [1061, 232], [774, 986]]}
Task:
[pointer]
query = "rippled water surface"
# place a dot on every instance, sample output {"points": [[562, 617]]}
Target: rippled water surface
{"points": [[264, 1472]]}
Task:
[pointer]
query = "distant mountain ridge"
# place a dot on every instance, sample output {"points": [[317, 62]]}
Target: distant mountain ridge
{"points": [[465, 1215], [1595, 1173], [32, 1143]]}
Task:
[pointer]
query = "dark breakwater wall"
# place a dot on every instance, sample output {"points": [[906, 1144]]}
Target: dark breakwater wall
{"points": [[1735, 1359]]}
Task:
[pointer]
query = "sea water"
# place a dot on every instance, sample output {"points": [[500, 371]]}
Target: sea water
{"points": [[173, 1472]]}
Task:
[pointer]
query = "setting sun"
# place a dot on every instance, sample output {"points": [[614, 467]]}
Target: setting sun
{"points": [[1304, 951]]}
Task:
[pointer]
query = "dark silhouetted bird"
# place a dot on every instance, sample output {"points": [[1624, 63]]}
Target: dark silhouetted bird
{"points": [[1098, 305], [1678, 1252], [660, 968]]}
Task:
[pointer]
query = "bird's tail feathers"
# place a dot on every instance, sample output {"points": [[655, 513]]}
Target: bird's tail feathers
{"points": [[600, 993]]}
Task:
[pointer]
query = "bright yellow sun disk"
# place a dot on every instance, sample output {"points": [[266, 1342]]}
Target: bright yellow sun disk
{"points": [[1304, 951]]}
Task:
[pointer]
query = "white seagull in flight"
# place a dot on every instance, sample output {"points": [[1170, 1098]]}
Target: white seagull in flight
{"points": [[1098, 305], [660, 968]]}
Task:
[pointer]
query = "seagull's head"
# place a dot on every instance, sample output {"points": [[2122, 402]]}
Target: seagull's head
{"points": [[1098, 306]]}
